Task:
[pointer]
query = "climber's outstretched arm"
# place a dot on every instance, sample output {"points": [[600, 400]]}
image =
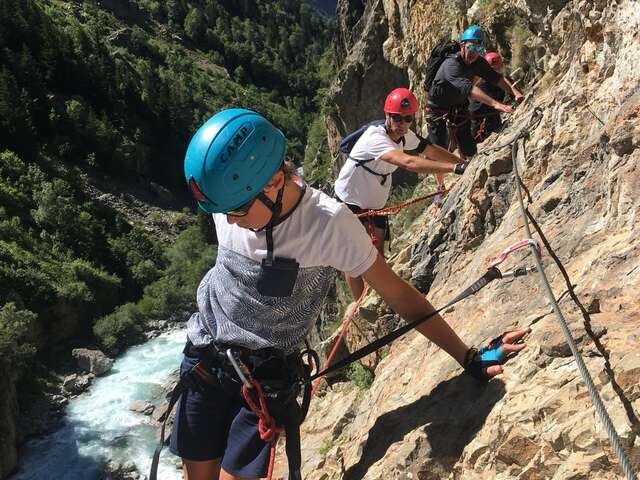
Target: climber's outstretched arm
{"points": [[411, 305]]}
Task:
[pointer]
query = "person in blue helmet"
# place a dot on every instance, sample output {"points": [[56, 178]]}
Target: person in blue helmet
{"points": [[279, 244], [453, 87]]}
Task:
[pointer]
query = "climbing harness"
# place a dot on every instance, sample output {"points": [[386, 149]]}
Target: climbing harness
{"points": [[493, 273], [454, 119], [272, 400]]}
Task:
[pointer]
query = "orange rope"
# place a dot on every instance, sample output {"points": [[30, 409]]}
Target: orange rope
{"points": [[267, 427], [372, 230], [394, 209], [343, 331], [480, 132]]}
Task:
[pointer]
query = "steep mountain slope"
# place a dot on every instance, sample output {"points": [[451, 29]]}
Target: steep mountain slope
{"points": [[98, 101], [422, 418]]}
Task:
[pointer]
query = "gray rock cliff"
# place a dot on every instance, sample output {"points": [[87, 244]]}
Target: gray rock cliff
{"points": [[423, 419]]}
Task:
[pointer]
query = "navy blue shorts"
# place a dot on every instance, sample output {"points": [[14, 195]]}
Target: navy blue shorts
{"points": [[212, 423]]}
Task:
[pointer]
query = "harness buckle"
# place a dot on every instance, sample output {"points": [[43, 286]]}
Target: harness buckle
{"points": [[241, 369]]}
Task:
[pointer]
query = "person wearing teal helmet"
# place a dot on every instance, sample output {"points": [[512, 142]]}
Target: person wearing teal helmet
{"points": [[473, 34], [210, 163], [452, 89], [279, 244]]}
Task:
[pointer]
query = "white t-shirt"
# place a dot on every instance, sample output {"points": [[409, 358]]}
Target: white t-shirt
{"points": [[357, 186], [321, 235], [320, 232]]}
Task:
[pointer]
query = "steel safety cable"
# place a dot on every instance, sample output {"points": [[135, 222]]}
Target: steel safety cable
{"points": [[595, 396]]}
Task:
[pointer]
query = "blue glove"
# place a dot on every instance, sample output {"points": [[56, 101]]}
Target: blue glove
{"points": [[477, 361]]}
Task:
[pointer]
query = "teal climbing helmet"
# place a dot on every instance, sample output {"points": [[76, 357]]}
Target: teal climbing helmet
{"points": [[473, 33], [231, 158]]}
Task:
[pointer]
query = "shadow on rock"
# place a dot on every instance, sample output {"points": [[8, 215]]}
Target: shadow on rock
{"points": [[450, 416]]}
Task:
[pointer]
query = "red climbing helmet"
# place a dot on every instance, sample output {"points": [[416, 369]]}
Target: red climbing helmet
{"points": [[401, 101], [494, 59]]}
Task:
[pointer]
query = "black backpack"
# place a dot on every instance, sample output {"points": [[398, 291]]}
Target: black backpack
{"points": [[438, 54], [347, 143]]}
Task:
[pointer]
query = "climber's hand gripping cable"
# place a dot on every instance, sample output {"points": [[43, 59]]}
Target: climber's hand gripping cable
{"points": [[486, 362]]}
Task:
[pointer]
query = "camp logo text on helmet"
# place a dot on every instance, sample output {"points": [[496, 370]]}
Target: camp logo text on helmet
{"points": [[235, 142], [402, 101], [231, 158]]}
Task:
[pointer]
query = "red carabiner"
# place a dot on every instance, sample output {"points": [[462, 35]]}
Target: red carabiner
{"points": [[503, 256], [516, 246]]}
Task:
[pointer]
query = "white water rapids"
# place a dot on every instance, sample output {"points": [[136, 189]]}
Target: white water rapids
{"points": [[98, 424]]}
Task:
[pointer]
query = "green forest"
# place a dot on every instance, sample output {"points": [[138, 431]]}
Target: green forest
{"points": [[119, 88]]}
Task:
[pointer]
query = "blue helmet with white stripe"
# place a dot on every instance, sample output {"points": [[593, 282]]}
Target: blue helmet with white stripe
{"points": [[231, 158]]}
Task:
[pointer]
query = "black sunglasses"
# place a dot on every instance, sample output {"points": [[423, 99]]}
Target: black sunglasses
{"points": [[242, 210], [398, 118]]}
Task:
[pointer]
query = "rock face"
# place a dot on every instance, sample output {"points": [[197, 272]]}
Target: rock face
{"points": [[93, 361], [422, 418]]}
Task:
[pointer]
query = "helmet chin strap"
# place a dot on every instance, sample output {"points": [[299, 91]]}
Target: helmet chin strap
{"points": [[275, 207], [276, 210]]}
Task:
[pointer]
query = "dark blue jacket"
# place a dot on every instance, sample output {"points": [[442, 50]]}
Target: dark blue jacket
{"points": [[454, 81]]}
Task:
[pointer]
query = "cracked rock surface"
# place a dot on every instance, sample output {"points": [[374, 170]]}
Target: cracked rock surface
{"points": [[421, 418]]}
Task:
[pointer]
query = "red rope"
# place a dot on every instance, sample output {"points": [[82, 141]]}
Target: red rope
{"points": [[394, 209], [267, 427], [372, 230], [480, 132], [343, 331]]}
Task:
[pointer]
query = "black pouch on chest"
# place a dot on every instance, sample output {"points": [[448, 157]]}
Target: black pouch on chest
{"points": [[277, 275]]}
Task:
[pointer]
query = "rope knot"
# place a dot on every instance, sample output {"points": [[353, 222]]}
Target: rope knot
{"points": [[267, 426]]}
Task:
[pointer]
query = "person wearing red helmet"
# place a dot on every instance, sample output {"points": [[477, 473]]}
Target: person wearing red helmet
{"points": [[364, 182], [486, 119], [494, 60]]}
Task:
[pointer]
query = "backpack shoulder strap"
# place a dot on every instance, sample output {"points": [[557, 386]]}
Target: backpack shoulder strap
{"points": [[362, 163]]}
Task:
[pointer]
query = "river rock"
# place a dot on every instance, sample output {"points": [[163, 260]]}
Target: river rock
{"points": [[142, 406], [122, 471], [161, 412], [74, 384], [93, 361]]}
